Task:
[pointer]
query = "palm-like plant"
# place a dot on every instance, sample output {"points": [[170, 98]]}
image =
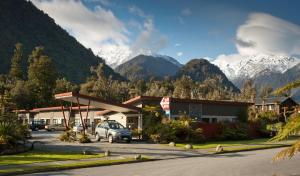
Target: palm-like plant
{"points": [[291, 127]]}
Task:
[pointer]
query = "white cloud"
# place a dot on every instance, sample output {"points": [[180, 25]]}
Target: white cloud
{"points": [[186, 12], [137, 11], [100, 30], [179, 54], [266, 34]]}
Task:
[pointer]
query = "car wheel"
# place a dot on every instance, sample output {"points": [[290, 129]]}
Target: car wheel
{"points": [[110, 139], [97, 137]]}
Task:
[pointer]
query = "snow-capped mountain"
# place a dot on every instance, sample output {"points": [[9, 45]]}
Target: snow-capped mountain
{"points": [[253, 66]]}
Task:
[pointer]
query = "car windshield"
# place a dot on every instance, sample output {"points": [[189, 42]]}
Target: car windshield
{"points": [[115, 126]]}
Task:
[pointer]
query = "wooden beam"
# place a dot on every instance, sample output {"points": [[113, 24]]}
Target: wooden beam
{"points": [[65, 120], [87, 113], [82, 122]]}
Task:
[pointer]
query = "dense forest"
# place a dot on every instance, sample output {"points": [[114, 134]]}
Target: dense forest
{"points": [[24, 23]]}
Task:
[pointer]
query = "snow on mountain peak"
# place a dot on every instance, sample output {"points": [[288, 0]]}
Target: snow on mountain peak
{"points": [[237, 66]]}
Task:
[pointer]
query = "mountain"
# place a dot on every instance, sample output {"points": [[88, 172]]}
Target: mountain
{"points": [[257, 67], [201, 69], [21, 21], [145, 67]]}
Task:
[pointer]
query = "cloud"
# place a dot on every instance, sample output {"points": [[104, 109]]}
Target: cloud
{"points": [[100, 30], [266, 34], [137, 11], [186, 12], [177, 45], [91, 27], [179, 54]]}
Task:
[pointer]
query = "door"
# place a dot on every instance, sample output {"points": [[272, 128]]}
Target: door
{"points": [[103, 129]]}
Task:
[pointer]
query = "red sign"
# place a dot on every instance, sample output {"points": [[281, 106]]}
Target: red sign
{"points": [[165, 103]]}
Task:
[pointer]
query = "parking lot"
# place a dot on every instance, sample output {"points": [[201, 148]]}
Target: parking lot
{"points": [[50, 141]]}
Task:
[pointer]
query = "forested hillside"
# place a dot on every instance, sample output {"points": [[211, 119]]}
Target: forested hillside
{"points": [[22, 22]]}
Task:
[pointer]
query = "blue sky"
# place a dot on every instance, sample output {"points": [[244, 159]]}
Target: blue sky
{"points": [[181, 29]]}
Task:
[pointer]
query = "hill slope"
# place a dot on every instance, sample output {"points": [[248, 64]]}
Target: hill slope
{"points": [[145, 67], [201, 69], [21, 21]]}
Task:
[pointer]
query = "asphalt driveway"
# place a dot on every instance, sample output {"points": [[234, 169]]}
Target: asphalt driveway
{"points": [[49, 141]]}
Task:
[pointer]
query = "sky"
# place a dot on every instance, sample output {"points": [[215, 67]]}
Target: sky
{"points": [[118, 30]]}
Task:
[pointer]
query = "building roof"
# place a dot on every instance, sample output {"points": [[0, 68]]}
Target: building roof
{"points": [[271, 100], [95, 102], [153, 98], [58, 108]]}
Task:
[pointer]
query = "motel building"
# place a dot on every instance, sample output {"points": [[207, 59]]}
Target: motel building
{"points": [[129, 113]]}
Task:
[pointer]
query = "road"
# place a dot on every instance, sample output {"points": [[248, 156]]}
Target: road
{"points": [[250, 163]]}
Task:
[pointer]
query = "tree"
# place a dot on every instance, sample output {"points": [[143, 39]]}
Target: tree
{"points": [[22, 96], [41, 77], [292, 126], [63, 85], [248, 91], [101, 86], [183, 87], [16, 63]]}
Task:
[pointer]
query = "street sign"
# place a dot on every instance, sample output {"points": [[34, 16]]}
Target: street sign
{"points": [[165, 103]]}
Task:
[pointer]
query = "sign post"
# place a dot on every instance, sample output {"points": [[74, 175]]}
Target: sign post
{"points": [[165, 104]]}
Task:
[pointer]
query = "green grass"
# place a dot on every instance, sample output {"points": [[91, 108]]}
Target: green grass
{"points": [[243, 143], [39, 156], [34, 169]]}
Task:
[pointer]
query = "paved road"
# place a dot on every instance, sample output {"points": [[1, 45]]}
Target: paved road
{"points": [[51, 142], [236, 164]]}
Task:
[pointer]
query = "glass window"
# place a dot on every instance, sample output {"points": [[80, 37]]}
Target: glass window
{"points": [[115, 126], [205, 120], [214, 120], [55, 121]]}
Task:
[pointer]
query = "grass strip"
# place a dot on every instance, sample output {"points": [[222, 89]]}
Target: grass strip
{"points": [[39, 156], [35, 169], [250, 148]]}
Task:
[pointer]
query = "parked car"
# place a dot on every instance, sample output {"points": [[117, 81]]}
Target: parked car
{"points": [[55, 127], [113, 131], [78, 128], [37, 125]]}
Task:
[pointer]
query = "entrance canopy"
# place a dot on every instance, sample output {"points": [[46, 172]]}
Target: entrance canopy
{"points": [[95, 102]]}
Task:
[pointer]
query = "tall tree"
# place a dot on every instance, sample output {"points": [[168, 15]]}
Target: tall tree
{"points": [[183, 87], [248, 91], [41, 77], [292, 126], [16, 63]]}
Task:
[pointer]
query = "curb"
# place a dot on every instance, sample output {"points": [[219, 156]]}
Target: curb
{"points": [[74, 167], [253, 149]]}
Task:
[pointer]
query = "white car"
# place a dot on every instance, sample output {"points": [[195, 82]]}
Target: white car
{"points": [[79, 128]]}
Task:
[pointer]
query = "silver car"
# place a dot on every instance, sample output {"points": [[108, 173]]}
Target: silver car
{"points": [[113, 131]]}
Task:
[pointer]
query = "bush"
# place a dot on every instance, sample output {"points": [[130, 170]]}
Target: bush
{"points": [[84, 138], [68, 136], [11, 130], [237, 131]]}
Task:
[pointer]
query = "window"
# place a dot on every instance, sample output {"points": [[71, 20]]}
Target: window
{"points": [[55, 121], [205, 120], [214, 120]]}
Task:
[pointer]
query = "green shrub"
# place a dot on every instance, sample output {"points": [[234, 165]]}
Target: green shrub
{"points": [[68, 136], [11, 130], [237, 131], [84, 138]]}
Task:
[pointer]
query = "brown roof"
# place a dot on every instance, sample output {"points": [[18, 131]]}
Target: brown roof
{"points": [[58, 108], [96, 102], [219, 102]]}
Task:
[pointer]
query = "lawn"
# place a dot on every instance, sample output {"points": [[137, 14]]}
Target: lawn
{"points": [[40, 156], [247, 144]]}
